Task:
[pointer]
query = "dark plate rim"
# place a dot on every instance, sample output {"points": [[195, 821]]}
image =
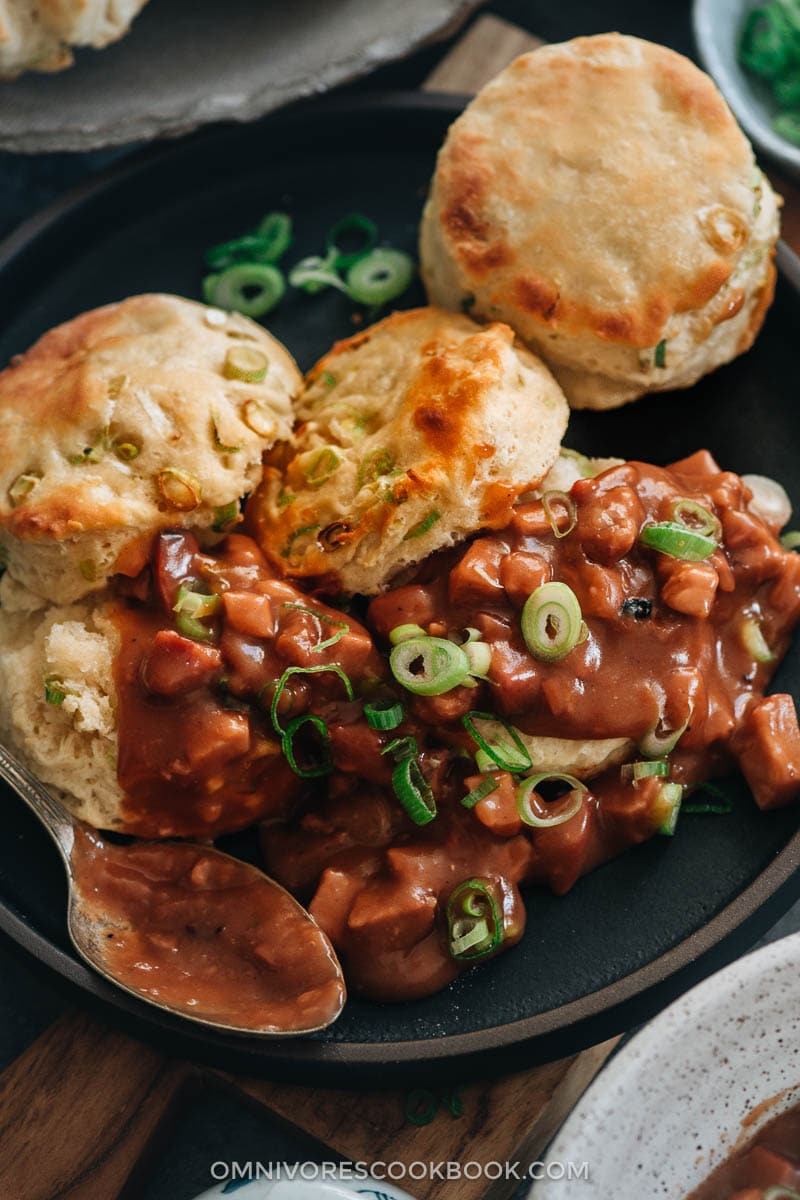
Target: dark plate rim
{"points": [[542, 1037]]}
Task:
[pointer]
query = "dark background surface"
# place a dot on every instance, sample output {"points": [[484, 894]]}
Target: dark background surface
{"points": [[215, 1126]]}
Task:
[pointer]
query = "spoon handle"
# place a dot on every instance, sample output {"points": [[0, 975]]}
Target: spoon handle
{"points": [[49, 811]]}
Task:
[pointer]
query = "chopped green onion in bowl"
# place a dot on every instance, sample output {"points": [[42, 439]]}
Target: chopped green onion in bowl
{"points": [[769, 51]]}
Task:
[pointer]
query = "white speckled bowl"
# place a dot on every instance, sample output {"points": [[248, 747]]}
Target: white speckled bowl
{"points": [[669, 1107], [717, 25]]}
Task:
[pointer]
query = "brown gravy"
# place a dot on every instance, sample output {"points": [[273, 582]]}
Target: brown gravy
{"points": [[208, 934], [772, 1160]]}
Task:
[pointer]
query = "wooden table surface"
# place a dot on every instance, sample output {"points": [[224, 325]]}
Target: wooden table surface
{"points": [[81, 1107]]}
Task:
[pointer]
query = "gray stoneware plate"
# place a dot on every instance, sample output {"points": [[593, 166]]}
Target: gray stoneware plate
{"points": [[186, 63], [633, 934]]}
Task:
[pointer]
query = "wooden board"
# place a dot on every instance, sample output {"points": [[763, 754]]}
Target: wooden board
{"points": [[84, 1107]]}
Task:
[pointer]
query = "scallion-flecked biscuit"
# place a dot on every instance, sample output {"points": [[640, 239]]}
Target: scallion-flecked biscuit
{"points": [[415, 433], [122, 422], [600, 198], [38, 35]]}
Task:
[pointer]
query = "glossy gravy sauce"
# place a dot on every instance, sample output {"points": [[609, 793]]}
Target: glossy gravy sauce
{"points": [[771, 1161], [665, 649], [207, 934]]}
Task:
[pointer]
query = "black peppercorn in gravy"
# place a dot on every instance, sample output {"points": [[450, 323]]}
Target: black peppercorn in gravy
{"points": [[525, 707]]}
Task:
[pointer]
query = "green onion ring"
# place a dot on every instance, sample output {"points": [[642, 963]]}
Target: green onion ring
{"points": [[791, 540], [195, 604], [246, 364], [697, 518], [479, 655], [660, 355], [287, 745], [413, 791], [659, 745], [275, 230], [385, 716], [314, 273], [474, 921], [676, 540], [401, 748], [644, 770], [225, 516], [670, 796], [444, 665], [529, 785], [323, 464], [284, 679], [192, 627], [230, 289], [484, 789], [778, 1192], [379, 276], [499, 741], [552, 623], [564, 499], [343, 627], [356, 224], [54, 690], [404, 633], [754, 641]]}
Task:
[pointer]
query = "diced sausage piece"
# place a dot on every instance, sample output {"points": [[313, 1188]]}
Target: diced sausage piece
{"points": [[521, 574], [608, 522], [767, 1168], [442, 710], [392, 916], [700, 465], [333, 900], [249, 613], [689, 587], [750, 545], [218, 735], [176, 664], [565, 852], [477, 575], [412, 605], [768, 749], [174, 562], [497, 811]]}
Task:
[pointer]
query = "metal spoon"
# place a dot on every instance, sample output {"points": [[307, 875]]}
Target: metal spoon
{"points": [[88, 930]]}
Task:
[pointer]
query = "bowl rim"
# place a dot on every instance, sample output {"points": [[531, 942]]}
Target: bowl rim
{"points": [[739, 98]]}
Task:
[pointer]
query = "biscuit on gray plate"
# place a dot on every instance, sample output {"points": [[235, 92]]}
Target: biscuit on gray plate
{"points": [[38, 35], [599, 197], [125, 421], [414, 433]]}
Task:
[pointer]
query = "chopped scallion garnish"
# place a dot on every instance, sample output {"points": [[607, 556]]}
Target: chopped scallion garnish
{"points": [[413, 791], [287, 675], [552, 623], [22, 487], [552, 502], [423, 526], [404, 633], [474, 920], [325, 761], [54, 691], [379, 277], [384, 716], [345, 229], [249, 288], [483, 789], [660, 355], [529, 787], [429, 666], [245, 364], [341, 627], [499, 741], [677, 541], [179, 489]]}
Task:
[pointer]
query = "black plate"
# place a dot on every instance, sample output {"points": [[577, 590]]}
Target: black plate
{"points": [[637, 931]]}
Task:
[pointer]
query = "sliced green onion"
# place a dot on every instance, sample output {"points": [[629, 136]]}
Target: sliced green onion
{"points": [[314, 273], [286, 676], [483, 789], [246, 364], [225, 516], [379, 276], [719, 810], [549, 499], [288, 549], [325, 763], [54, 691], [421, 1107], [195, 604], [249, 288], [375, 464], [89, 454], [474, 921], [660, 356], [413, 791], [401, 748], [552, 622], [209, 287], [384, 716], [471, 634], [179, 489], [259, 418], [323, 464], [499, 741], [479, 656], [791, 540], [658, 744], [442, 665], [697, 518], [126, 451], [670, 796], [192, 627], [525, 800], [676, 540], [779, 1192], [348, 227], [275, 231], [423, 526], [21, 488], [328, 379], [644, 770], [754, 641], [404, 633], [342, 627], [219, 445], [88, 570]]}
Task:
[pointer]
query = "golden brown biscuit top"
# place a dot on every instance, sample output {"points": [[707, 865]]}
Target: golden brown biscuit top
{"points": [[124, 418], [600, 185]]}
